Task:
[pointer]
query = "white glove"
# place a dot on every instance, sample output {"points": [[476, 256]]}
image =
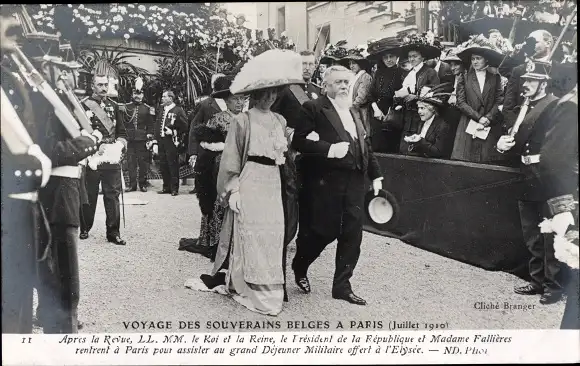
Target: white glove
{"points": [[234, 202], [377, 186], [192, 160], [505, 143], [168, 131], [338, 150], [98, 135], [156, 149], [566, 252], [313, 136], [377, 113], [45, 163], [561, 221]]}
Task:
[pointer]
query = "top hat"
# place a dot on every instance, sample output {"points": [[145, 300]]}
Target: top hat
{"points": [[222, 87], [273, 68], [537, 70], [383, 46], [382, 210]]}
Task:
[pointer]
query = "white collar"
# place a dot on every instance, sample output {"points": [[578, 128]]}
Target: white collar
{"points": [[168, 107], [429, 121], [418, 67]]}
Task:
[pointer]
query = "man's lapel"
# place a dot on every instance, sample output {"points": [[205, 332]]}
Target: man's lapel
{"points": [[332, 116], [360, 130]]}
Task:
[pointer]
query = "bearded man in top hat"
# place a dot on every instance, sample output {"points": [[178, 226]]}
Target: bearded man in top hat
{"points": [[338, 157], [537, 119], [105, 168], [138, 118]]}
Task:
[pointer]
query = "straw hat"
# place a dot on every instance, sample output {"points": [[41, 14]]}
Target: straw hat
{"points": [[270, 69], [451, 55]]}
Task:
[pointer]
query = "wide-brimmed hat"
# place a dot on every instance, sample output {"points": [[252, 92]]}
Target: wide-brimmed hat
{"points": [[222, 87], [481, 46], [537, 70], [334, 53], [435, 95], [273, 68], [382, 210], [427, 47], [377, 49], [357, 55]]}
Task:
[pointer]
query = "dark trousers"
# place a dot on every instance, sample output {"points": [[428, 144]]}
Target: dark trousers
{"points": [[138, 157], [58, 288], [110, 180], [18, 265], [571, 317], [169, 164], [543, 265], [349, 195]]}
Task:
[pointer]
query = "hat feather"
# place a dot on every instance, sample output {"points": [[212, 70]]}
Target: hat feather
{"points": [[270, 69], [139, 83]]}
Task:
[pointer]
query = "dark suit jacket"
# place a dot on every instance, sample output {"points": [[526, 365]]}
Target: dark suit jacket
{"points": [[426, 76], [559, 151], [322, 202], [445, 74], [205, 110], [436, 143], [180, 123], [475, 104], [289, 105]]}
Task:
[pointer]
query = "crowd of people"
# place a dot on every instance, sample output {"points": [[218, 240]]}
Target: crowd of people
{"points": [[279, 154]]}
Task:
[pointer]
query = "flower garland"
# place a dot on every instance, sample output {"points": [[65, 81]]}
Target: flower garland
{"points": [[207, 28]]}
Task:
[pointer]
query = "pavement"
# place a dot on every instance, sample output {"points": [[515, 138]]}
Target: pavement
{"points": [[144, 282]]}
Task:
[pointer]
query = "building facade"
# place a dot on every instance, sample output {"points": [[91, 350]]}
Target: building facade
{"points": [[312, 25]]}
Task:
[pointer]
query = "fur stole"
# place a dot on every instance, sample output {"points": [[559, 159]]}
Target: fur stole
{"points": [[203, 133]]}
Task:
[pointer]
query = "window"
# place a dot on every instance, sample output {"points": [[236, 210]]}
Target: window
{"points": [[281, 20]]}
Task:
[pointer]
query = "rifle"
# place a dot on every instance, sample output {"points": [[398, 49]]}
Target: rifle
{"points": [[36, 81]]}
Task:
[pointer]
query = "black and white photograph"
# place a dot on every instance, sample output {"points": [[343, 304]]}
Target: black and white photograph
{"points": [[386, 167]]}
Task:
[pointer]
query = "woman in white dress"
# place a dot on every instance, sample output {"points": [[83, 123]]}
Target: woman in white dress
{"points": [[250, 183]]}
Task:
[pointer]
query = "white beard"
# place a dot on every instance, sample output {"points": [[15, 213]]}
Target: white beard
{"points": [[343, 101]]}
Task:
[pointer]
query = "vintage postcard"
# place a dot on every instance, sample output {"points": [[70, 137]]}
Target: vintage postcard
{"points": [[351, 182]]}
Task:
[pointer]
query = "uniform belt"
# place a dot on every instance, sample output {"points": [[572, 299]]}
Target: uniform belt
{"points": [[67, 171], [531, 159], [28, 196]]}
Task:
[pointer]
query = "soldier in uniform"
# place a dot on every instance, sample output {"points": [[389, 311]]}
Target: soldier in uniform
{"points": [[138, 118], [526, 142], [58, 289], [105, 117], [25, 169]]}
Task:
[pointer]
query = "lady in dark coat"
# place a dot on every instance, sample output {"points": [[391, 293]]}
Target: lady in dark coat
{"points": [[479, 96], [211, 139], [417, 49], [387, 78]]}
